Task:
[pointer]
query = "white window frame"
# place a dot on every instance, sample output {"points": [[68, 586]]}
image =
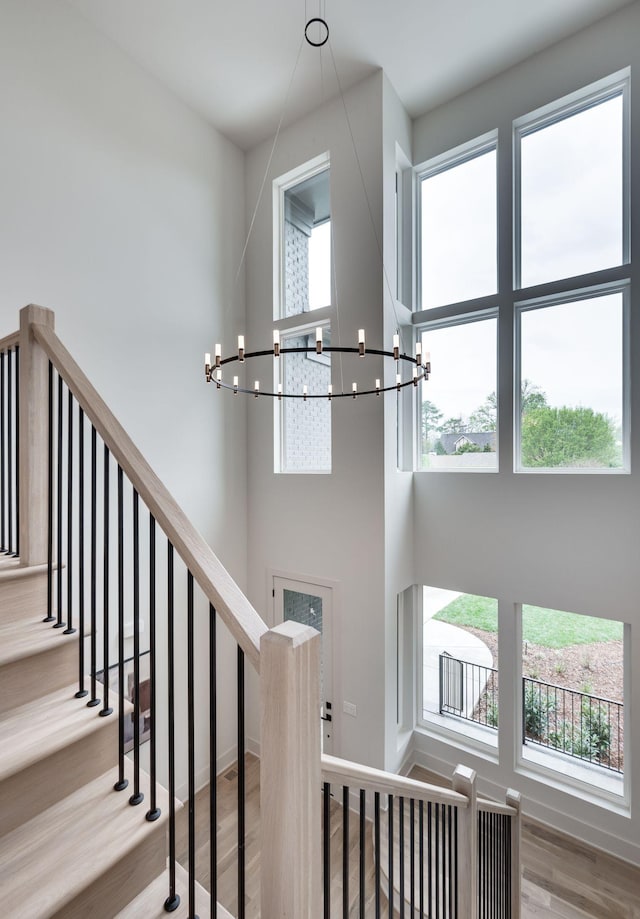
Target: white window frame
{"points": [[589, 293], [572, 104], [282, 184], [466, 318], [443, 163]]}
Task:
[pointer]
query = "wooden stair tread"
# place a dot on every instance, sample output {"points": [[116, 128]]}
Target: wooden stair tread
{"points": [[8, 564], [48, 724], [19, 639], [49, 860], [149, 904]]}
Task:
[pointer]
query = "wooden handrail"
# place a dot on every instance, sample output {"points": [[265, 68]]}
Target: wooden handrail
{"points": [[242, 620], [494, 807], [9, 341], [343, 772]]}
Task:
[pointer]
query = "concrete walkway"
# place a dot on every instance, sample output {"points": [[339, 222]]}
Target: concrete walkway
{"points": [[441, 636]]}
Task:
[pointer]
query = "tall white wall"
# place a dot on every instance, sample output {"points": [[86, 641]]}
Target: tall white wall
{"points": [[124, 212], [329, 526], [559, 541]]}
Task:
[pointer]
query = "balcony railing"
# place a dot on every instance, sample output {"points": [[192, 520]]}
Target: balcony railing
{"points": [[578, 724]]}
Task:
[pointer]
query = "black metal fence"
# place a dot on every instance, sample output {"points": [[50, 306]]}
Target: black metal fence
{"points": [[469, 691], [578, 724]]}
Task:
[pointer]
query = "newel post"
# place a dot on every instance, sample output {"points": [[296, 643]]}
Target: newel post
{"points": [[464, 782], [514, 800], [290, 774], [33, 440]]}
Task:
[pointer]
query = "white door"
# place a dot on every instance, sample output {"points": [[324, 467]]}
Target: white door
{"points": [[311, 604]]}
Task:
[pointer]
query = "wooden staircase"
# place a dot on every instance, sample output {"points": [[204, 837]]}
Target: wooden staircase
{"points": [[70, 845]]}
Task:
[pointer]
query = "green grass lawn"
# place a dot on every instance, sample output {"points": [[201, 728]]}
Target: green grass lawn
{"points": [[547, 627]]}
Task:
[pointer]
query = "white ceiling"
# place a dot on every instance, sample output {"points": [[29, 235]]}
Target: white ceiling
{"points": [[233, 61]]}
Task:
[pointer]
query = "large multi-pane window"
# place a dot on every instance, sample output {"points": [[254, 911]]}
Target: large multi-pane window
{"points": [[458, 224], [570, 292], [458, 408], [303, 285]]}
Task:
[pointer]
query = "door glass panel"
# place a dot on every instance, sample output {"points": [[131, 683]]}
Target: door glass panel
{"points": [[306, 609]]}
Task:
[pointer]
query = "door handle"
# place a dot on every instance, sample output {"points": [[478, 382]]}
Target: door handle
{"points": [[325, 717]]}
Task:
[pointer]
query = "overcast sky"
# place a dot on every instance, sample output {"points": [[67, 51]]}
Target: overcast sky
{"points": [[571, 223]]}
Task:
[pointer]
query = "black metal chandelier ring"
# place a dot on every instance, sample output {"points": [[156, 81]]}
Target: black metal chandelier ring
{"points": [[213, 374], [322, 23]]}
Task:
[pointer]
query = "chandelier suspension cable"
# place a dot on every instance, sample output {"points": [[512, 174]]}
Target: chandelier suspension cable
{"points": [[421, 364], [268, 166]]}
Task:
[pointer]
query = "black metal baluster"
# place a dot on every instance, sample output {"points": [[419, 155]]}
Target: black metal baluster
{"points": [[241, 789], [17, 466], [390, 896], [49, 616], [438, 860], [345, 852], [363, 802], [421, 855], [69, 629], [3, 444], [10, 451], [326, 849], [450, 875], [122, 782], [455, 849], [59, 624], [191, 748], [94, 700], [82, 692], [154, 811], [401, 854], [430, 856], [137, 797], [412, 855], [173, 900], [213, 758], [105, 710], [376, 844]]}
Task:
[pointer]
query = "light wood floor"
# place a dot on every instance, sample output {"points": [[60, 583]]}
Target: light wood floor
{"points": [[562, 879]]}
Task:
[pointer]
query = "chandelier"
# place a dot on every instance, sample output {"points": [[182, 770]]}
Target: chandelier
{"points": [[420, 368], [409, 369]]}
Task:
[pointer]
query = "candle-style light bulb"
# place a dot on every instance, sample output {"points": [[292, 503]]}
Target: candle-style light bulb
{"points": [[279, 392], [415, 376], [241, 348], [305, 392], [354, 390], [207, 359], [218, 353], [276, 343], [377, 387], [218, 377], [207, 367], [418, 352], [330, 391], [256, 388], [319, 340], [398, 381], [361, 342], [235, 385], [396, 347]]}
